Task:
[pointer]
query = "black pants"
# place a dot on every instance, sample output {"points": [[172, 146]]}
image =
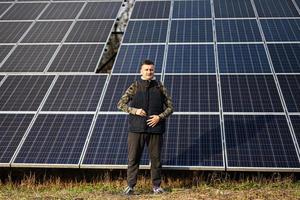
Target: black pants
{"points": [[136, 143]]}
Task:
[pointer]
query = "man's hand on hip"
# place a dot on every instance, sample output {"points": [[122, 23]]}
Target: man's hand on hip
{"points": [[153, 120], [141, 112]]}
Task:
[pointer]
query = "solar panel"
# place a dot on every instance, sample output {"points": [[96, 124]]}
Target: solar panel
{"points": [[24, 11], [62, 10], [4, 50], [295, 119], [11, 32], [290, 87], [90, 31], [276, 8], [193, 93], [23, 93], [50, 31], [29, 58], [233, 9], [100, 10], [191, 31], [250, 93], [285, 57], [193, 140], [298, 3], [243, 58], [77, 58], [108, 143], [146, 32], [281, 29], [190, 59], [191, 9], [55, 139], [12, 129], [259, 142], [151, 9], [245, 30], [3, 7], [130, 56], [75, 93]]}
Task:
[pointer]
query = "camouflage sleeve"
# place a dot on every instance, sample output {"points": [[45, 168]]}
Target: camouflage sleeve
{"points": [[168, 104], [127, 96]]}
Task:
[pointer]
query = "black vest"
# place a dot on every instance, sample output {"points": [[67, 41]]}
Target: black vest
{"points": [[150, 98]]}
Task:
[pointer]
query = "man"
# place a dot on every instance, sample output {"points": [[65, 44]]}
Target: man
{"points": [[150, 106]]}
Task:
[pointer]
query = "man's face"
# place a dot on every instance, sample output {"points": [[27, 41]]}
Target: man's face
{"points": [[147, 71]]}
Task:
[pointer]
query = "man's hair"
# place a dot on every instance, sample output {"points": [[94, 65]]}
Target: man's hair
{"points": [[147, 62]]}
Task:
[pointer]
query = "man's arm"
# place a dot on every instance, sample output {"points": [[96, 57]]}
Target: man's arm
{"points": [[168, 103], [127, 96]]}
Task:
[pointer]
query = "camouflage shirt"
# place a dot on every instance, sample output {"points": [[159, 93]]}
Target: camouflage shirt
{"points": [[131, 91]]}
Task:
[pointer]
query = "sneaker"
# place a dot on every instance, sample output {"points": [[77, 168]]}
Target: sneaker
{"points": [[158, 190], [128, 190]]}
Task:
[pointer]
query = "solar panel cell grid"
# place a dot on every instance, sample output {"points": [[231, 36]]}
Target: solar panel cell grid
{"points": [[4, 50], [190, 59], [191, 9], [193, 93], [285, 57], [250, 93], [259, 141], [295, 119], [130, 56], [24, 11], [108, 143], [243, 58], [55, 139], [29, 58], [23, 93], [245, 30], [290, 87], [151, 9], [90, 31], [232, 8], [75, 93], [12, 129], [77, 58], [195, 142], [191, 31], [100, 10], [3, 7], [11, 32], [62, 10], [276, 8]]}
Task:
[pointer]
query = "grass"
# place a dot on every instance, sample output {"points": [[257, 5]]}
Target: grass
{"points": [[183, 186]]}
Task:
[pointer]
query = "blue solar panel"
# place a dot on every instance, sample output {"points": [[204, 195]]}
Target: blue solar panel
{"points": [[243, 58], [193, 93], [285, 57], [233, 8], [29, 58], [24, 11], [90, 31], [195, 142], [11, 32], [77, 58], [108, 143], [151, 9], [237, 30], [191, 31], [250, 93], [276, 8], [146, 32], [62, 10], [295, 119], [130, 56], [55, 139], [281, 29], [12, 129], [4, 50], [190, 59], [259, 141], [75, 93], [290, 87], [49, 31], [191, 9], [100, 10], [117, 85], [23, 93]]}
